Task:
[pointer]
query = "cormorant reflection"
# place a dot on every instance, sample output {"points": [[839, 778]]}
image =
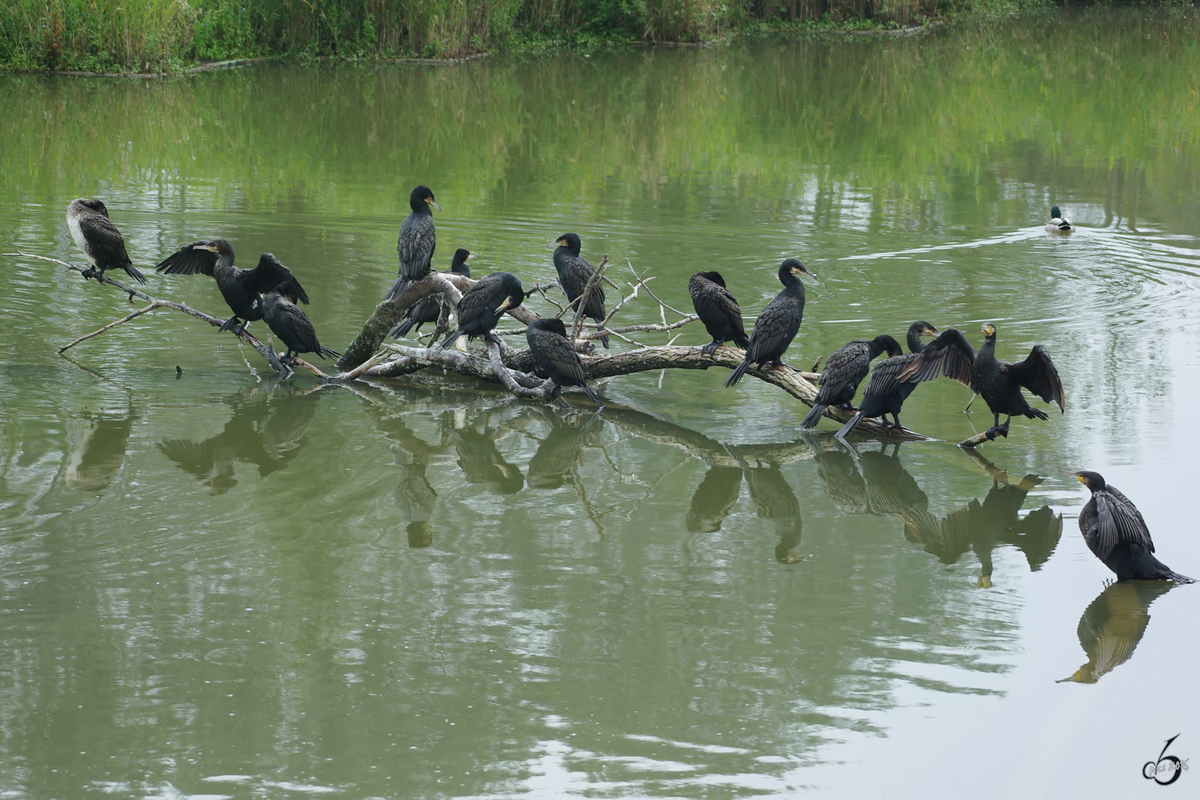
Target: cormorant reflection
{"points": [[482, 462], [98, 457], [714, 498], [1113, 624], [775, 500], [414, 495], [561, 451], [267, 433]]}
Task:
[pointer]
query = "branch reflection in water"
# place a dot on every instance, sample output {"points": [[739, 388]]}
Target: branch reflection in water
{"points": [[875, 482], [1113, 624], [268, 429], [101, 452]]}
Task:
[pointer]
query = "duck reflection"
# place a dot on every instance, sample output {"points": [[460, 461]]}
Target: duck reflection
{"points": [[774, 500], [267, 430], [100, 454], [1113, 624], [714, 498]]}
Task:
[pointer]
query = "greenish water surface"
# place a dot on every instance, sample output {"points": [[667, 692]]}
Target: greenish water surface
{"points": [[214, 584]]}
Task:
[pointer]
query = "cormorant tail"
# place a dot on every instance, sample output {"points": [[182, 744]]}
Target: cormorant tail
{"points": [[403, 328], [738, 373], [133, 273], [850, 425], [814, 416]]}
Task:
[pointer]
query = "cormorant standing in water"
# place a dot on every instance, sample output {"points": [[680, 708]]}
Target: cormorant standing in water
{"points": [[998, 382], [844, 370], [416, 241], [885, 392], [556, 357], [1116, 533], [290, 324], [1058, 223], [481, 306], [718, 310], [241, 288], [778, 323], [573, 276], [429, 308], [99, 239]]}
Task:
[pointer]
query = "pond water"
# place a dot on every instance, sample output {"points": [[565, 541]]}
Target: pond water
{"points": [[214, 584]]}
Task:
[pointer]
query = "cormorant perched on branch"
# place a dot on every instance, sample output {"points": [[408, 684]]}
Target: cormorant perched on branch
{"points": [[573, 275], [998, 382], [241, 288], [778, 323], [416, 241], [718, 310], [1058, 223], [429, 308], [844, 370], [290, 324], [98, 238], [885, 393], [1116, 533], [481, 306], [556, 356]]}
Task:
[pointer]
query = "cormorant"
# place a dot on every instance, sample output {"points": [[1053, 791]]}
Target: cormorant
{"points": [[481, 306], [1116, 533], [778, 323], [885, 392], [429, 308], [416, 241], [99, 239], [241, 288], [998, 382], [573, 276], [844, 370], [290, 324], [556, 357], [718, 310], [1058, 223]]}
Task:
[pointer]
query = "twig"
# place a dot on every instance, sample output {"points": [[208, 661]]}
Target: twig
{"points": [[581, 303], [642, 281], [126, 318]]}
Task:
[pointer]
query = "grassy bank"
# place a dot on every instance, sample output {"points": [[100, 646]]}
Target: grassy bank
{"points": [[157, 35]]}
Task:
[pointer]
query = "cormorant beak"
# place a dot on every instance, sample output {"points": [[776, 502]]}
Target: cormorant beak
{"points": [[433, 203], [558, 243], [803, 269], [504, 306], [929, 331], [209, 247]]}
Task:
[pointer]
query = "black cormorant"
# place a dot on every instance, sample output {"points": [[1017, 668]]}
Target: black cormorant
{"points": [[429, 308], [885, 392], [844, 370], [778, 323], [998, 382], [573, 276], [481, 306], [1116, 533], [718, 310], [1058, 223], [556, 357], [241, 288], [290, 324], [98, 238], [416, 241]]}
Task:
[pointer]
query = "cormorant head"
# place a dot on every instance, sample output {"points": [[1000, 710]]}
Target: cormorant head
{"points": [[569, 241], [218, 246], [289, 290], [1092, 480], [888, 345], [923, 328], [715, 277], [420, 197], [94, 205], [794, 266], [988, 329], [459, 264], [511, 285], [551, 324]]}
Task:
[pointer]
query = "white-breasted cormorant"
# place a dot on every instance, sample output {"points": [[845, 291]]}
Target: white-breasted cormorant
{"points": [[556, 356], [241, 288], [429, 308], [417, 240], [885, 393], [844, 370], [778, 323], [574, 272], [718, 310], [1115, 532], [98, 238]]}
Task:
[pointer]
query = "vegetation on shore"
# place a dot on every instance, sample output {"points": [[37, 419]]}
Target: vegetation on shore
{"points": [[148, 36]]}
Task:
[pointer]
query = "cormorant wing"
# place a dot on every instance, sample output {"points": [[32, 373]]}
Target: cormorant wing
{"points": [[776, 326], [950, 355], [1038, 374], [106, 242], [269, 273], [849, 363], [475, 301], [718, 302], [416, 244], [886, 377], [559, 350], [189, 261], [1118, 520]]}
